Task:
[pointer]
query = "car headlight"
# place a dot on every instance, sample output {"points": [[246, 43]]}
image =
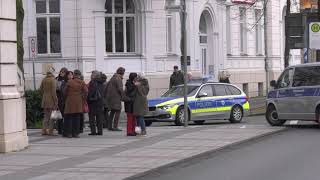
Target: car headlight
{"points": [[166, 107]]}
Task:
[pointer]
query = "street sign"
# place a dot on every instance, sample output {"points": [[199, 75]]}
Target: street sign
{"points": [[314, 35], [33, 47]]}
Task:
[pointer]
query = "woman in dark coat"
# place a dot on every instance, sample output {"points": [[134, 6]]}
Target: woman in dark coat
{"points": [[130, 92], [95, 102], [75, 92], [61, 81], [140, 105]]}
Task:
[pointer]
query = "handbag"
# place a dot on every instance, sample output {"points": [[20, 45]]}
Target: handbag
{"points": [[85, 107], [56, 115], [137, 129]]}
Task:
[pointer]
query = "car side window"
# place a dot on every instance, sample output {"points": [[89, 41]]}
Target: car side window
{"points": [[234, 90], [285, 79], [220, 90], [306, 76], [206, 89]]}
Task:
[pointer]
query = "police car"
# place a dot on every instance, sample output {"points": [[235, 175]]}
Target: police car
{"points": [[295, 95], [206, 101]]}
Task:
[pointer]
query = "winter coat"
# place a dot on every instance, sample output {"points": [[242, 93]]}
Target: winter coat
{"points": [[114, 93], [48, 91], [177, 78], [60, 87], [75, 93], [95, 97], [140, 104], [130, 92]]}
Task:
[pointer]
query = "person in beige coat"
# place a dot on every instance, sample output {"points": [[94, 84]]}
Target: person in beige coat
{"points": [[49, 101]]}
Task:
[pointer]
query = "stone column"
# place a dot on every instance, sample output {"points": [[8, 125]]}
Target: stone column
{"points": [[13, 133], [99, 22]]}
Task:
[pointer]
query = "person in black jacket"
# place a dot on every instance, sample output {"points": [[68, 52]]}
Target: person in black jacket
{"points": [[61, 81], [130, 92], [96, 104]]}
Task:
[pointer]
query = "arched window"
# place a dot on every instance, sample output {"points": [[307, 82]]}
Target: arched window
{"points": [[120, 26], [203, 29]]}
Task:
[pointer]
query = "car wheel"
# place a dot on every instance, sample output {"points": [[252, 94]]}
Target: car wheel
{"points": [[180, 117], [236, 114], [199, 122], [148, 123], [272, 117]]}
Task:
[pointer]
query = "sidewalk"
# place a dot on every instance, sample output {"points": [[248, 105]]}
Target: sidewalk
{"points": [[115, 156]]}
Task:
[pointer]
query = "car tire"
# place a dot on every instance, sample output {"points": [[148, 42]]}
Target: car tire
{"points": [[199, 122], [272, 117], [148, 123], [180, 117], [236, 114]]}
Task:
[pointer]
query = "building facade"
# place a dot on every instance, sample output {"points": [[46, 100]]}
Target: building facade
{"points": [[144, 36]]}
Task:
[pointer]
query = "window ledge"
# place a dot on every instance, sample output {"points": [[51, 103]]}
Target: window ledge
{"points": [[123, 55], [58, 55]]}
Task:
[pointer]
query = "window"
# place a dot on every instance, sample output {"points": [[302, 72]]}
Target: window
{"points": [[234, 90], [258, 30], [220, 90], [228, 21], [260, 89], [203, 30], [206, 89], [245, 88], [243, 31], [306, 76], [284, 80], [120, 26], [169, 33], [48, 26]]}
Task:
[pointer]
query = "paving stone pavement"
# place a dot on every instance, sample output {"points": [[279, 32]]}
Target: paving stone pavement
{"points": [[114, 156]]}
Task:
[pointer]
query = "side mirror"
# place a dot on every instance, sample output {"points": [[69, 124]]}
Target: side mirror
{"points": [[273, 83], [202, 94]]}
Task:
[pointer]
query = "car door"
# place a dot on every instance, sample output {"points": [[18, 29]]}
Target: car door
{"points": [[223, 100], [204, 103], [284, 95], [304, 90]]}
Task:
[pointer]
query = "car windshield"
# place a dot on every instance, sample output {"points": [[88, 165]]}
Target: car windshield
{"points": [[177, 91]]}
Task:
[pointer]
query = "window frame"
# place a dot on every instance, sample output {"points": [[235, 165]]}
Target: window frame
{"points": [[47, 15], [215, 92], [243, 30], [202, 87], [287, 71], [124, 16]]}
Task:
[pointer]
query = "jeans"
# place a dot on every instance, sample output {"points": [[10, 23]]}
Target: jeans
{"points": [[96, 122], [141, 123]]}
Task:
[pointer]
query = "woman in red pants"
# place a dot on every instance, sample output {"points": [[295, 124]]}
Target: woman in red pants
{"points": [[128, 105]]}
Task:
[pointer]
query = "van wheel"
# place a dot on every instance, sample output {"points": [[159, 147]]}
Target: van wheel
{"points": [[148, 123], [273, 118], [180, 117], [236, 114]]}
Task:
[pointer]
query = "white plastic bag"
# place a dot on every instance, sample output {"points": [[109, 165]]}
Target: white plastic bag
{"points": [[56, 115], [138, 130]]}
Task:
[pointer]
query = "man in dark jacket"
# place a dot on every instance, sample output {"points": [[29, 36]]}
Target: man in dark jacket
{"points": [[95, 102], [114, 96], [176, 78]]}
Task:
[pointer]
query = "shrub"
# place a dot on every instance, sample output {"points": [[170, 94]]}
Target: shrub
{"points": [[34, 112]]}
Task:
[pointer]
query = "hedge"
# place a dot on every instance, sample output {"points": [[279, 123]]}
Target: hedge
{"points": [[34, 112]]}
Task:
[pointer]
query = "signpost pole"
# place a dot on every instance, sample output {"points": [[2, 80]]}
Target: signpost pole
{"points": [[32, 56], [185, 63]]}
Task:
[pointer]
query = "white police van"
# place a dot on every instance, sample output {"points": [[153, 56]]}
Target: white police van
{"points": [[296, 95]]}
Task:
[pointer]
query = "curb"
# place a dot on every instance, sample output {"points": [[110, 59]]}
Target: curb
{"points": [[201, 155]]}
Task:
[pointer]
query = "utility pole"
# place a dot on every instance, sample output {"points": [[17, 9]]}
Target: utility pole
{"points": [[266, 63], [287, 49], [183, 46]]}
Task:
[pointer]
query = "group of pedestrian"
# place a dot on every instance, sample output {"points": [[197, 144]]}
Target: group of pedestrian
{"points": [[102, 100]]}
